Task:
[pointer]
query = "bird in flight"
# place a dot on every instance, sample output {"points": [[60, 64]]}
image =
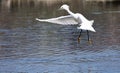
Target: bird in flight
{"points": [[72, 19]]}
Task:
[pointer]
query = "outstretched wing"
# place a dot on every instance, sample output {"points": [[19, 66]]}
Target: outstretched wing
{"points": [[63, 20]]}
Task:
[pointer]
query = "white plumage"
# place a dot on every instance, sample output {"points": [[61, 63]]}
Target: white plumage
{"points": [[72, 19], [63, 20]]}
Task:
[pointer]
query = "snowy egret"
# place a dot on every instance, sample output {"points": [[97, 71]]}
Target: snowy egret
{"points": [[72, 19]]}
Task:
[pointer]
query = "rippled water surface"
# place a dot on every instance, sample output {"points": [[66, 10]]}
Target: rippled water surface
{"points": [[29, 46]]}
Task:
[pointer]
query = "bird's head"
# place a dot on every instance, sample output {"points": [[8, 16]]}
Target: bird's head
{"points": [[64, 7]]}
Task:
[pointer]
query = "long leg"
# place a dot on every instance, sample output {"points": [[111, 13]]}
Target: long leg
{"points": [[88, 35], [79, 36], [89, 41]]}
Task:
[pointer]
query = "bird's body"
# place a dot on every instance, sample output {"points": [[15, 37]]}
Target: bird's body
{"points": [[84, 23], [72, 19]]}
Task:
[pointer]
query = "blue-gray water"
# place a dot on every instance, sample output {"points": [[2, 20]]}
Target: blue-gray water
{"points": [[29, 46]]}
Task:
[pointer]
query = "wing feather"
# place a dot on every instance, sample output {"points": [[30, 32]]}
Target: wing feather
{"points": [[63, 20]]}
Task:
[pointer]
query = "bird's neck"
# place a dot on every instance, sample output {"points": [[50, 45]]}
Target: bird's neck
{"points": [[70, 12]]}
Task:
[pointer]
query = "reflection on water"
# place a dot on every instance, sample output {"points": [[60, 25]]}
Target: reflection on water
{"points": [[30, 46]]}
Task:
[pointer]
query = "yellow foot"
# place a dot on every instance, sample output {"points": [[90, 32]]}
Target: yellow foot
{"points": [[90, 41], [79, 40]]}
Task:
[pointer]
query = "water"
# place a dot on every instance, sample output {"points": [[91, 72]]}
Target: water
{"points": [[29, 46]]}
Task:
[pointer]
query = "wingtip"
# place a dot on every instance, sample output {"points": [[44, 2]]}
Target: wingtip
{"points": [[36, 18]]}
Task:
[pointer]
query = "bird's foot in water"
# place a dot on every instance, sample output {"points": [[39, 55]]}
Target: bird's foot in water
{"points": [[90, 41], [79, 39]]}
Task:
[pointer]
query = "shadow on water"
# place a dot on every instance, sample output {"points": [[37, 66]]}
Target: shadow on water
{"points": [[30, 46]]}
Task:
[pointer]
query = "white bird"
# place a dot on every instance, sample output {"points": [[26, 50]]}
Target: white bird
{"points": [[72, 19]]}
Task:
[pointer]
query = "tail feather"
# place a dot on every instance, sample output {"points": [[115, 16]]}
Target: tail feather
{"points": [[92, 29], [92, 21]]}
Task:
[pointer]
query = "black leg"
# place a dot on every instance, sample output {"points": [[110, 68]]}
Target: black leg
{"points": [[89, 41], [79, 36], [88, 35]]}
